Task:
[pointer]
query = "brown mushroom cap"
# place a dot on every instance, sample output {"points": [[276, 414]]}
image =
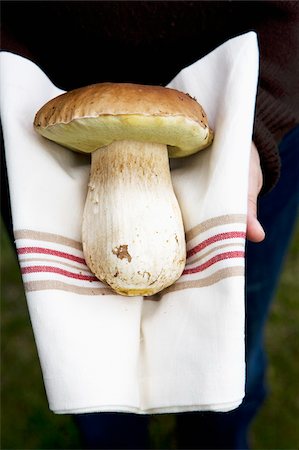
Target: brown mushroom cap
{"points": [[88, 118]]}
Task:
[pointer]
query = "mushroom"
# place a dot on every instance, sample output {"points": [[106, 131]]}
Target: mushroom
{"points": [[132, 229]]}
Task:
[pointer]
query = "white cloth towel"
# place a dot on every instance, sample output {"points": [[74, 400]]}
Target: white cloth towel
{"points": [[181, 350]]}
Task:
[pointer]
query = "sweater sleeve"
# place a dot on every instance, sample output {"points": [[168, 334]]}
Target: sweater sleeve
{"points": [[277, 110]]}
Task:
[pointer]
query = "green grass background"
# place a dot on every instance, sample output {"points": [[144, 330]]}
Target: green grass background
{"points": [[27, 423]]}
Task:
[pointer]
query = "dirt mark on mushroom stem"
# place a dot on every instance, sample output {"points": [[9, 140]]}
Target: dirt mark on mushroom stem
{"points": [[122, 252]]}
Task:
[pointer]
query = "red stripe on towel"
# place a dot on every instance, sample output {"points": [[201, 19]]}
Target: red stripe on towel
{"points": [[47, 269], [48, 251], [214, 260], [216, 238]]}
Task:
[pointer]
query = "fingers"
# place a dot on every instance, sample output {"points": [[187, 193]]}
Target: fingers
{"points": [[255, 232]]}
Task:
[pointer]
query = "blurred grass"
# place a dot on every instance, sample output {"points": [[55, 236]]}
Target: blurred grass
{"points": [[27, 423]]}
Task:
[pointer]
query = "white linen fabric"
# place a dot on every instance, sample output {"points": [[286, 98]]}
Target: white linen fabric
{"points": [[182, 349]]}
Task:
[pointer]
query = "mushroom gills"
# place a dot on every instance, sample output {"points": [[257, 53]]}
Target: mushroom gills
{"points": [[132, 232]]}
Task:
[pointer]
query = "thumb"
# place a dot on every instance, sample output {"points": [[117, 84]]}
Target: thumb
{"points": [[255, 232]]}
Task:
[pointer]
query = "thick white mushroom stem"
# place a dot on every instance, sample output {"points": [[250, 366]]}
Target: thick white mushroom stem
{"points": [[133, 234]]}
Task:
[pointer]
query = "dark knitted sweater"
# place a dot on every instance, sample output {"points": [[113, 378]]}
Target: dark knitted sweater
{"points": [[149, 42]]}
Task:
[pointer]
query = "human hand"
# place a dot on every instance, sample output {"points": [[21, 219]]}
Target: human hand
{"points": [[255, 232]]}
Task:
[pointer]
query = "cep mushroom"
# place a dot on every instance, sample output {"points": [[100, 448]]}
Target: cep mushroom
{"points": [[132, 230]]}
